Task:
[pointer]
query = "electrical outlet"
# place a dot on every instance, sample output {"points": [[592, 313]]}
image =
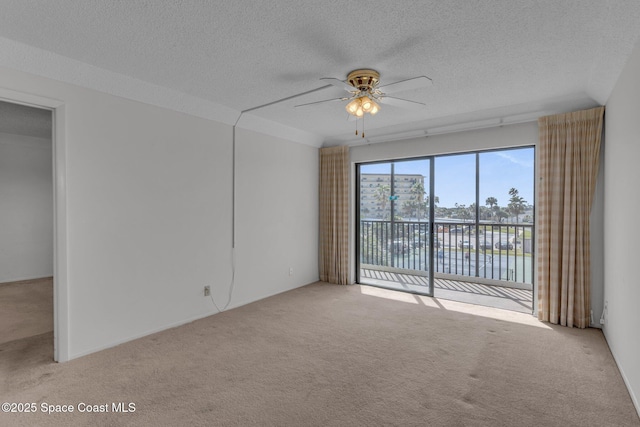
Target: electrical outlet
{"points": [[290, 271], [605, 311], [207, 291]]}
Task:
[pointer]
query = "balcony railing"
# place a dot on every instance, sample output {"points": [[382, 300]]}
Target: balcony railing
{"points": [[489, 251]]}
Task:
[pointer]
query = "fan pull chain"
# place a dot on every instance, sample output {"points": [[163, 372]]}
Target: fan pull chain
{"points": [[356, 125], [363, 125]]}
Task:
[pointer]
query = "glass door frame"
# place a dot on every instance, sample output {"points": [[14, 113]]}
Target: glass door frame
{"points": [[430, 220]]}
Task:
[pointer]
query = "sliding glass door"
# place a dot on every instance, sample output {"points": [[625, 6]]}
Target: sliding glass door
{"points": [[395, 243], [460, 217], [455, 189]]}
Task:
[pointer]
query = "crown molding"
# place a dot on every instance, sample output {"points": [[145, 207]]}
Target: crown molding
{"points": [[43, 63]]}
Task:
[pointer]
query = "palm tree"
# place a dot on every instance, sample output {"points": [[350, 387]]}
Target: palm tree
{"points": [[436, 200], [463, 212], [417, 198], [472, 210], [516, 203], [427, 203], [491, 202], [382, 196]]}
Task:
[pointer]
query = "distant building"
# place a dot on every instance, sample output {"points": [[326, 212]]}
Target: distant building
{"points": [[370, 204]]}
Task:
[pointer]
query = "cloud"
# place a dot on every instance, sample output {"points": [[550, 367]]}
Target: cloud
{"points": [[517, 161]]}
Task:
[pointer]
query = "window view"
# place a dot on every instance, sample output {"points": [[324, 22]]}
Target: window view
{"points": [[482, 219], [506, 193], [394, 211], [455, 213]]}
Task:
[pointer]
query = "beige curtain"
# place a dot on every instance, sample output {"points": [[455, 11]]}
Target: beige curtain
{"points": [[569, 149], [334, 215]]}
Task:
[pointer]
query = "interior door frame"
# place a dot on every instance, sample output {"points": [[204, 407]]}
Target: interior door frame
{"points": [[60, 229]]}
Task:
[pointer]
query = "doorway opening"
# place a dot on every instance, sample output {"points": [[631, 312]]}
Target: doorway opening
{"points": [[27, 223], [457, 226]]}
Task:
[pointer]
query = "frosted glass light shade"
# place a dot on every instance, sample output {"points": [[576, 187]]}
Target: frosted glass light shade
{"points": [[359, 106], [353, 106]]}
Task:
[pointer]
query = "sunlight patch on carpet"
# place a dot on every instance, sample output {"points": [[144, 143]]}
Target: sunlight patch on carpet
{"points": [[461, 307]]}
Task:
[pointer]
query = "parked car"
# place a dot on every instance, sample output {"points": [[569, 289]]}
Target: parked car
{"points": [[504, 245], [465, 244], [485, 246], [516, 242]]}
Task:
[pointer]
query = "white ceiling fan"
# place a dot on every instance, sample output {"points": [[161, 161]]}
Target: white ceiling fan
{"points": [[365, 91]]}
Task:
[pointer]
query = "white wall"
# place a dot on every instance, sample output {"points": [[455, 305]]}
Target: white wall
{"points": [[149, 195], [276, 215], [26, 208], [622, 204], [525, 134], [596, 220]]}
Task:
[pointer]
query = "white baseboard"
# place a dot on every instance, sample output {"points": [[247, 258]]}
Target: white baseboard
{"points": [[176, 324], [25, 279], [634, 398], [137, 336]]}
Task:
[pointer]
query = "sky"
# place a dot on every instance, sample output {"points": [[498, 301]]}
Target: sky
{"points": [[455, 175]]}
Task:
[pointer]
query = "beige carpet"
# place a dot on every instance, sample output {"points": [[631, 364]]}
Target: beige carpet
{"points": [[26, 309], [326, 355]]}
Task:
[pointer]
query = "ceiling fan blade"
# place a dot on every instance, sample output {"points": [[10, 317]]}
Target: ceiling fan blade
{"points": [[399, 102], [408, 84], [339, 83], [320, 102]]}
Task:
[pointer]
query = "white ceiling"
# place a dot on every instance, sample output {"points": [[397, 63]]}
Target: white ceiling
{"points": [[490, 61]]}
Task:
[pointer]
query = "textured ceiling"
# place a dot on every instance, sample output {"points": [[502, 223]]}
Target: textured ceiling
{"points": [[22, 120], [504, 59]]}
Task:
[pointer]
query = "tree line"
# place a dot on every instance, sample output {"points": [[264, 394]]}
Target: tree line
{"points": [[417, 206]]}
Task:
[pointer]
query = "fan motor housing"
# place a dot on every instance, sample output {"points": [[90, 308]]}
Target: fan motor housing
{"points": [[364, 80]]}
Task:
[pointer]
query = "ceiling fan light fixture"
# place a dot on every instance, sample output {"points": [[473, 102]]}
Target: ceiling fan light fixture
{"points": [[353, 106], [364, 79], [360, 106], [367, 104], [364, 92]]}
